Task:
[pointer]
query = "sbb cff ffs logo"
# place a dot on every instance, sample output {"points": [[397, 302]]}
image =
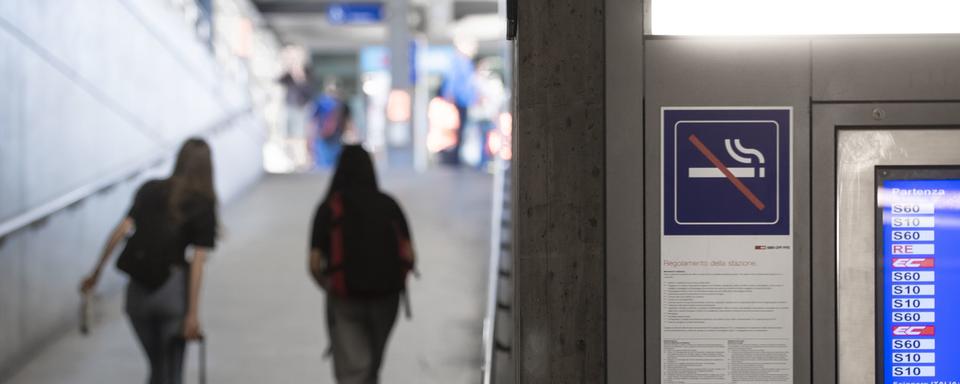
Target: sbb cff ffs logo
{"points": [[913, 263], [913, 330]]}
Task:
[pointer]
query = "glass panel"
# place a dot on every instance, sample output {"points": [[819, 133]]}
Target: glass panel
{"points": [[858, 152]]}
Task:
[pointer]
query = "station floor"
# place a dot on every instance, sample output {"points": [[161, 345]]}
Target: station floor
{"points": [[264, 318]]}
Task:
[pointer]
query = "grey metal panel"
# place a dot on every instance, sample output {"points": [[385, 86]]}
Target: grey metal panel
{"points": [[102, 118], [886, 68], [53, 263], [729, 72], [828, 365], [11, 288], [624, 192], [823, 226], [11, 131], [81, 131]]}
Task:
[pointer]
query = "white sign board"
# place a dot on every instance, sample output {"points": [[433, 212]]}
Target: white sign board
{"points": [[726, 272]]}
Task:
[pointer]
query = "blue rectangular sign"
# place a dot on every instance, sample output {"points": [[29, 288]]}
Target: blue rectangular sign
{"points": [[354, 13], [918, 310], [726, 170]]}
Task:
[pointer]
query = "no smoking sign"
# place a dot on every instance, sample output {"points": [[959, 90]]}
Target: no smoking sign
{"points": [[726, 171]]}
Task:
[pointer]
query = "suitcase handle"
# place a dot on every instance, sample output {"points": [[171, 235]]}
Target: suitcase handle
{"points": [[202, 369], [86, 307]]}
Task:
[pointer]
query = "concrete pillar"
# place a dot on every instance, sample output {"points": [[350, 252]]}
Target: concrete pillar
{"points": [[439, 19], [559, 215]]}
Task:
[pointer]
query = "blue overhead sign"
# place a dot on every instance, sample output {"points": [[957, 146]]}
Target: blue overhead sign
{"points": [[726, 171], [355, 13]]}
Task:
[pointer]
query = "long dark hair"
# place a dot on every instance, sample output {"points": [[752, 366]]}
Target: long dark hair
{"points": [[192, 176], [354, 172]]}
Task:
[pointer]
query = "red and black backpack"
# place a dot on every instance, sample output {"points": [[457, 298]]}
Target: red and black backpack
{"points": [[370, 253]]}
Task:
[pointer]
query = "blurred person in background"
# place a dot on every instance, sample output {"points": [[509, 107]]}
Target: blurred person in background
{"points": [[360, 254], [162, 296], [486, 110], [329, 121], [458, 88], [296, 83]]}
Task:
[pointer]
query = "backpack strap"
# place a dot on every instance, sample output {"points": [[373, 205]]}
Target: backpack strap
{"points": [[409, 265], [406, 254], [332, 122], [338, 277]]}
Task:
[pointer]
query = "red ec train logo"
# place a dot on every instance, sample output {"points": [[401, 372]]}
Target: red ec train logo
{"points": [[913, 330], [913, 263]]}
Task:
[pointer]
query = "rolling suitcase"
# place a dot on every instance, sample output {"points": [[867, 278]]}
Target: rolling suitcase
{"points": [[202, 359]]}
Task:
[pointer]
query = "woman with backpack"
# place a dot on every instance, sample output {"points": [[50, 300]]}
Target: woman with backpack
{"points": [[360, 254], [162, 298]]}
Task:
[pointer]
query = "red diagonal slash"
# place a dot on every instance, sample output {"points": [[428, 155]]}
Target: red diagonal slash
{"points": [[726, 172]]}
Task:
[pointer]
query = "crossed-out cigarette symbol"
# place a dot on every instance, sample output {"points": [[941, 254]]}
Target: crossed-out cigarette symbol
{"points": [[732, 174]]}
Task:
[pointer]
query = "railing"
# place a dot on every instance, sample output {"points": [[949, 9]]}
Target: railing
{"points": [[79, 194], [497, 335]]}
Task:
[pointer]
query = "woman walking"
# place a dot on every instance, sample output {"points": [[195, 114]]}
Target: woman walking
{"points": [[360, 254], [162, 297]]}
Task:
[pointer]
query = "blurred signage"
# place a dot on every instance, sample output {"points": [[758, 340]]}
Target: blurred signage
{"points": [[433, 59], [355, 13]]}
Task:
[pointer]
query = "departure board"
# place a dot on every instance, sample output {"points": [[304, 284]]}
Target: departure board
{"points": [[918, 275]]}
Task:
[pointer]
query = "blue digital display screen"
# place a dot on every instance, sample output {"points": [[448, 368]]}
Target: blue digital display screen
{"points": [[918, 280]]}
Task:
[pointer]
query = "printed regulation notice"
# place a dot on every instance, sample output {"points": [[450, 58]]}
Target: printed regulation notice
{"points": [[726, 310]]}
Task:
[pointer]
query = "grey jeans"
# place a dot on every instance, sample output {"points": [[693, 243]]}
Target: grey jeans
{"points": [[359, 329], [157, 318]]}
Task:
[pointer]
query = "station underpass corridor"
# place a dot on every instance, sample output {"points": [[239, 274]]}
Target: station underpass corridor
{"points": [[263, 315], [598, 191]]}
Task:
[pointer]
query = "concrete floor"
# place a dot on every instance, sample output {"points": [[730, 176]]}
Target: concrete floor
{"points": [[264, 317]]}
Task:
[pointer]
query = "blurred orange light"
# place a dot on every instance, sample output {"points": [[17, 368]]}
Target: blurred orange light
{"points": [[506, 136], [244, 37], [506, 123], [443, 121], [398, 106], [494, 142]]}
